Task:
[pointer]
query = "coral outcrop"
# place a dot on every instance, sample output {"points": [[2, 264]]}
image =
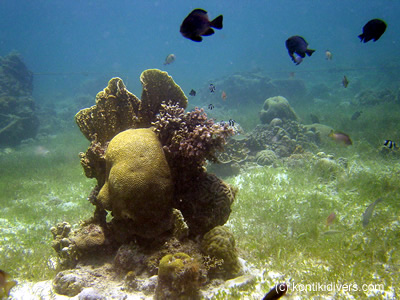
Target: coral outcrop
{"points": [[153, 196], [18, 120], [277, 107]]}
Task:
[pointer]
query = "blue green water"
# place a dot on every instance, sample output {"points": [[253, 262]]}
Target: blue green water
{"points": [[74, 48]]}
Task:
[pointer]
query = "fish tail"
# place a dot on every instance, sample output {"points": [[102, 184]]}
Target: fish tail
{"points": [[310, 52], [217, 22]]}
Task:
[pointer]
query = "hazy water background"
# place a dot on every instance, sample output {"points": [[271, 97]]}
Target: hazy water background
{"points": [[68, 42]]}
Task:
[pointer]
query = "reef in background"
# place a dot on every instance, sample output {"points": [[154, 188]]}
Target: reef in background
{"points": [[157, 209], [18, 120]]}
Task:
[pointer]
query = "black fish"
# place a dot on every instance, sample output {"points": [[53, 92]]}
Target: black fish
{"points": [[297, 44], [356, 115], [231, 122], [192, 93], [390, 144], [197, 24], [373, 30], [314, 119], [212, 88], [276, 292], [345, 81], [210, 106], [368, 212]]}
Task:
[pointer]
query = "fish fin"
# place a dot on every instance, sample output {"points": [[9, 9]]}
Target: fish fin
{"points": [[199, 11], [196, 38], [361, 36], [309, 52], [209, 31], [217, 22]]}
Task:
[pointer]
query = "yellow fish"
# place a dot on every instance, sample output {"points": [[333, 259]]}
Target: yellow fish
{"points": [[345, 81], [5, 284]]}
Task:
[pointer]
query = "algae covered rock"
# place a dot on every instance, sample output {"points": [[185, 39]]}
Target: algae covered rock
{"points": [[69, 284], [178, 277], [277, 107], [138, 185], [219, 243]]}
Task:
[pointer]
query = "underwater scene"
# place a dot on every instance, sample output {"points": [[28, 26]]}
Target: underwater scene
{"points": [[199, 149]]}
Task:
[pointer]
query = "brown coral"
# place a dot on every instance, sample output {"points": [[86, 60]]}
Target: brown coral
{"points": [[189, 139], [219, 243], [207, 204]]}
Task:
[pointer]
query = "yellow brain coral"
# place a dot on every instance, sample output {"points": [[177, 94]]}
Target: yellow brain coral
{"points": [[138, 183]]}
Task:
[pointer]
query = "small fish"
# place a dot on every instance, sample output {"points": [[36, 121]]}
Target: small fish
{"points": [[297, 44], [345, 81], [231, 122], [210, 106], [276, 292], [223, 95], [5, 284], [192, 93], [328, 55], [169, 59], [356, 115], [330, 219], [314, 119], [292, 74], [368, 212], [197, 24], [211, 88], [373, 30], [340, 138], [390, 144]]}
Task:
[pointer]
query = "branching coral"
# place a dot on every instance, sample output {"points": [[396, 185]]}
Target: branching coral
{"points": [[190, 136]]}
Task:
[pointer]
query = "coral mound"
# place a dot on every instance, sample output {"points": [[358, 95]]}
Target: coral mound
{"points": [[148, 157], [277, 107], [219, 243]]}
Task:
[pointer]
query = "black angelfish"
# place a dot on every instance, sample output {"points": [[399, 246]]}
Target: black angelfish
{"points": [[197, 24], [297, 44], [373, 30]]}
